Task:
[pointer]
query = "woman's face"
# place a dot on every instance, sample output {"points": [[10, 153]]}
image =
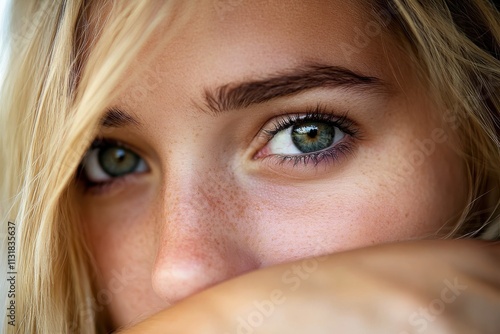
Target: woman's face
{"points": [[266, 131]]}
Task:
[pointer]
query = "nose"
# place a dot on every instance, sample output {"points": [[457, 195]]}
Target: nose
{"points": [[202, 239]]}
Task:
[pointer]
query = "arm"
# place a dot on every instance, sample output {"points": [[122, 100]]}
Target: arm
{"points": [[411, 287]]}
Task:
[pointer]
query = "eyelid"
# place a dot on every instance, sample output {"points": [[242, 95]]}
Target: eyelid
{"points": [[319, 113], [102, 186]]}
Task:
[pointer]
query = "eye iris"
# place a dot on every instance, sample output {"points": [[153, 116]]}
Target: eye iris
{"points": [[312, 137], [117, 161]]}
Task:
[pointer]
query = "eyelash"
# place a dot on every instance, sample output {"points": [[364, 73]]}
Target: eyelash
{"points": [[317, 114], [99, 187]]}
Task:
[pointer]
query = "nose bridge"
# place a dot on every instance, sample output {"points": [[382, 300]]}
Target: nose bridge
{"points": [[193, 214], [199, 198], [199, 240]]}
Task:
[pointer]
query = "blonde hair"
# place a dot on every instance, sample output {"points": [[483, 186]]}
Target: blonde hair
{"points": [[64, 69]]}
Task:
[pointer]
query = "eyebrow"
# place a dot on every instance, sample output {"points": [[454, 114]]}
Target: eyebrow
{"points": [[290, 82], [117, 118], [287, 83]]}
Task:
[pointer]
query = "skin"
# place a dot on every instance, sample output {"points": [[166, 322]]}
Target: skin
{"points": [[214, 205], [408, 287]]}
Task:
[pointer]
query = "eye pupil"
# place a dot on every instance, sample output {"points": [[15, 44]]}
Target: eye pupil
{"points": [[118, 161], [120, 155], [313, 136], [313, 133]]}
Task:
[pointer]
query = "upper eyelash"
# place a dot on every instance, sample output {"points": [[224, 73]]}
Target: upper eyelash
{"points": [[317, 114], [101, 142]]}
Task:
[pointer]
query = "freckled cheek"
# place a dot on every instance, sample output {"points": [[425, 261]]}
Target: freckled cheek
{"points": [[124, 252], [294, 226]]}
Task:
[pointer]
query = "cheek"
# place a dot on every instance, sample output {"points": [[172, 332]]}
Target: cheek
{"points": [[121, 240], [369, 201], [345, 217]]}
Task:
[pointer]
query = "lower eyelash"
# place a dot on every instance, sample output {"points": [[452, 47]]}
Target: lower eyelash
{"points": [[329, 155], [89, 186], [101, 187]]}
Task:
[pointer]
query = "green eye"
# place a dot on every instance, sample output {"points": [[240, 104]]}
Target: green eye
{"points": [[118, 161], [312, 136], [108, 160]]}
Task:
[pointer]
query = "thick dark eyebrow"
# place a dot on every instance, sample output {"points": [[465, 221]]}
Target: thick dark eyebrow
{"points": [[116, 118], [241, 95]]}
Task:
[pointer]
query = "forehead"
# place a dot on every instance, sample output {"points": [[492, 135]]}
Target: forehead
{"points": [[213, 43], [235, 32]]}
